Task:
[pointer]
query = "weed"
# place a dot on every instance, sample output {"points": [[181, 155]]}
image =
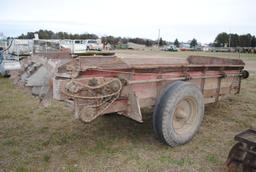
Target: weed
{"points": [[212, 158], [46, 158]]}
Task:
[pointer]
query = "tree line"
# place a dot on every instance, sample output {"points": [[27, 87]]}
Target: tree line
{"points": [[234, 40], [193, 43], [222, 39], [47, 34]]}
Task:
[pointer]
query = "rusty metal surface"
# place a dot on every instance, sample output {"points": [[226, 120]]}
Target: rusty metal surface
{"points": [[115, 63], [143, 79], [92, 96], [137, 62]]}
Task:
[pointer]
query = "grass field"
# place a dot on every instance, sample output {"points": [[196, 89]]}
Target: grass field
{"points": [[34, 138]]}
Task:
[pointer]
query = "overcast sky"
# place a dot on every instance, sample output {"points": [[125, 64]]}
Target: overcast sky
{"points": [[182, 19]]}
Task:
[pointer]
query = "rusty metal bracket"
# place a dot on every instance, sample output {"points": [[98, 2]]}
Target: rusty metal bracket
{"points": [[133, 110], [203, 79], [223, 75], [186, 74], [187, 77]]}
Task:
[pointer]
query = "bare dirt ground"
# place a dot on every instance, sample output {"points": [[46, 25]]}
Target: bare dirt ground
{"points": [[34, 138]]}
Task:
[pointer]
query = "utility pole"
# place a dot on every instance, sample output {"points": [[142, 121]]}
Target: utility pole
{"points": [[229, 38], [158, 38]]}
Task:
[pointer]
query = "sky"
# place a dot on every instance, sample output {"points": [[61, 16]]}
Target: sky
{"points": [[182, 19]]}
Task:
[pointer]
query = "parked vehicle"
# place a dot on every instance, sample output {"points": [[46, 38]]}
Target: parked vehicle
{"points": [[92, 44], [170, 48], [8, 63], [82, 46]]}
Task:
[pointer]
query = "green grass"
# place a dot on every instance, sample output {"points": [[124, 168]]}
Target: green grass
{"points": [[212, 158], [34, 138], [46, 158]]}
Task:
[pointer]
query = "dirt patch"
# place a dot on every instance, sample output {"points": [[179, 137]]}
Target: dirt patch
{"points": [[250, 65]]}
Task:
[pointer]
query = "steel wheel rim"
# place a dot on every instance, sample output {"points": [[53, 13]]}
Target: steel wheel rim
{"points": [[185, 115]]}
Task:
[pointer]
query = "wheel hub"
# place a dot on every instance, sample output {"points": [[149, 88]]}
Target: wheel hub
{"points": [[184, 115]]}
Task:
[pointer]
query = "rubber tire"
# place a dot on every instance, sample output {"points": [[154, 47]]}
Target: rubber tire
{"points": [[165, 108]]}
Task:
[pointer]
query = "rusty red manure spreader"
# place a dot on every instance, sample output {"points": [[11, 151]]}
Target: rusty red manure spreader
{"points": [[178, 88]]}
